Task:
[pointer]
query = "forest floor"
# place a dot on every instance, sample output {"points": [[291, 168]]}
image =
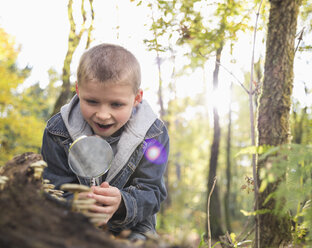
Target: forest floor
{"points": [[31, 218]]}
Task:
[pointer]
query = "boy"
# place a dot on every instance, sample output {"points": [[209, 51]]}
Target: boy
{"points": [[109, 104]]}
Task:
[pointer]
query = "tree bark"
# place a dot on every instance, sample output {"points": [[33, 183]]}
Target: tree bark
{"points": [[215, 215], [274, 108]]}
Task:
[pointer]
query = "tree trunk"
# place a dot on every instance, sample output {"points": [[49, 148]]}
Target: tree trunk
{"points": [[215, 215], [228, 172], [73, 42], [167, 202], [275, 102]]}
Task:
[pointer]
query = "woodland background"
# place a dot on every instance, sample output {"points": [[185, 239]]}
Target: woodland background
{"points": [[204, 71]]}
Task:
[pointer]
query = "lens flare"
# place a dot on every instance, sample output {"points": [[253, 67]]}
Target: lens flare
{"points": [[155, 152]]}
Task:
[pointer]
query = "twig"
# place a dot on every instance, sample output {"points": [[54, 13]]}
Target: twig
{"points": [[248, 234], [252, 127], [244, 228], [208, 211], [300, 39], [241, 84], [227, 70], [256, 90]]}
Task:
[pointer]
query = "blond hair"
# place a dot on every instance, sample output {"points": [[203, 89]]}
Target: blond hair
{"points": [[109, 63]]}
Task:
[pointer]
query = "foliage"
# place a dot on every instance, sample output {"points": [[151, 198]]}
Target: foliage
{"points": [[192, 30], [166, 27], [187, 171], [190, 139], [21, 113], [291, 165], [199, 28], [300, 123]]}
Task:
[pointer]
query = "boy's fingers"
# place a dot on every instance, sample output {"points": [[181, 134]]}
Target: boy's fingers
{"points": [[105, 185], [102, 209], [111, 191], [106, 200]]}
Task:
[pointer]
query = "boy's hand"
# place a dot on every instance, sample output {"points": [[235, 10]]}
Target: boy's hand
{"points": [[107, 198]]}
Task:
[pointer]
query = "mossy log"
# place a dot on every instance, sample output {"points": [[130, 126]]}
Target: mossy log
{"points": [[29, 217]]}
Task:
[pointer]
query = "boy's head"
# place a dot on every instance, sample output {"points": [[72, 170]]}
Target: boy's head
{"points": [[109, 63], [108, 88]]}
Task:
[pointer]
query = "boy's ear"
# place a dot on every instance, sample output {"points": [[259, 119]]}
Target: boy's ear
{"points": [[77, 90], [138, 98]]}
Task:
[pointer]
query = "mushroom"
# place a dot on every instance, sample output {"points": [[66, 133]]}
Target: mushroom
{"points": [[45, 181], [3, 180], [48, 186], [50, 189], [75, 189], [56, 192], [83, 205], [38, 173], [39, 164], [38, 168], [97, 219]]}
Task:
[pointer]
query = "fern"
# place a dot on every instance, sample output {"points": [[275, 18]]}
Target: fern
{"points": [[292, 166]]}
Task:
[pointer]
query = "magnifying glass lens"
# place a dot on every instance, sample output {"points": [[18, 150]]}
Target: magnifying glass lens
{"points": [[90, 157]]}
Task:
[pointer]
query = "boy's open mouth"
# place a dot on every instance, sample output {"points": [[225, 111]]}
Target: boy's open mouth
{"points": [[104, 126]]}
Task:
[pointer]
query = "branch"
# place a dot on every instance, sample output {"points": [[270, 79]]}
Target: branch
{"points": [[90, 29], [208, 212], [227, 70]]}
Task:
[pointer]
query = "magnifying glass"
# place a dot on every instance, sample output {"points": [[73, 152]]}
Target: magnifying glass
{"points": [[90, 157]]}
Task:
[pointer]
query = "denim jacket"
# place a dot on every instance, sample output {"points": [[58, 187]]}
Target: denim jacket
{"points": [[140, 180]]}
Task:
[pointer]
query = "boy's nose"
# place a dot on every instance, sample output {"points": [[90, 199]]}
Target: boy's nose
{"points": [[102, 115]]}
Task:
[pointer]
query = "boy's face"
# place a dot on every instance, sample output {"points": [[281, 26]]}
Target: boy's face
{"points": [[107, 106]]}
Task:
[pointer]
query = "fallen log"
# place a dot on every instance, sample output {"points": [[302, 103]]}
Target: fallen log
{"points": [[29, 217]]}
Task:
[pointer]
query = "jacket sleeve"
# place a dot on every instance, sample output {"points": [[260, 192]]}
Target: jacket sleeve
{"points": [[146, 189], [53, 152]]}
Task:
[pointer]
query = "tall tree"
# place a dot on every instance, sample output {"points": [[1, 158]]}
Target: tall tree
{"points": [[74, 38], [213, 162], [228, 169], [274, 108]]}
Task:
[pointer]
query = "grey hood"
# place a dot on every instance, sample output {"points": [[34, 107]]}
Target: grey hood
{"points": [[133, 134]]}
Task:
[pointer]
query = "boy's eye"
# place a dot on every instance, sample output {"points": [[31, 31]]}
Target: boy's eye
{"points": [[117, 104], [91, 101]]}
